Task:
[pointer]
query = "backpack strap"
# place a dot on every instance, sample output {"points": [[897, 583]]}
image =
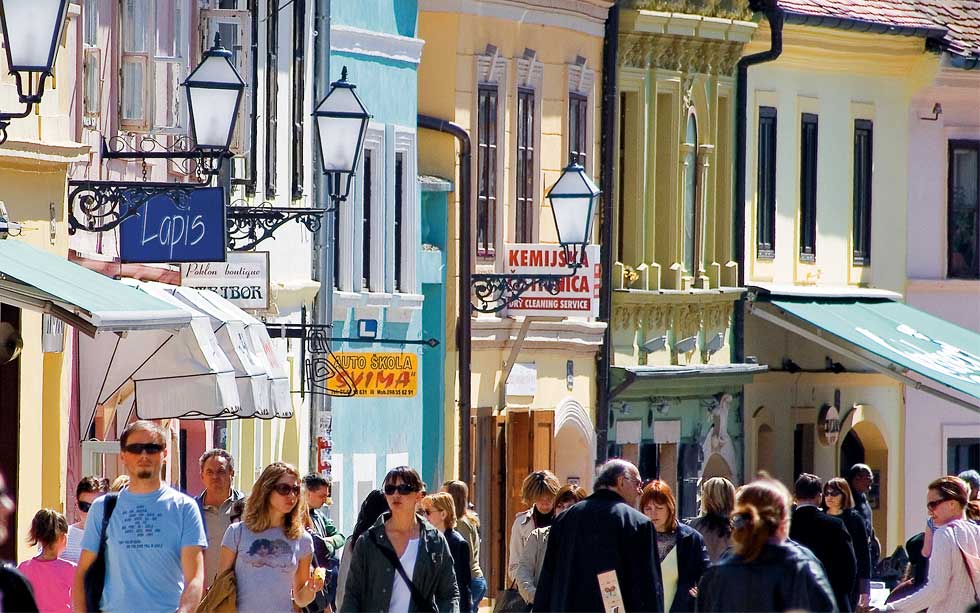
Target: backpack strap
{"points": [[420, 601], [110, 506]]}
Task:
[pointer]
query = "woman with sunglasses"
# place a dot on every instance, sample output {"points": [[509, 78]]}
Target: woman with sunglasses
{"points": [[402, 563], [839, 502], [440, 510], [269, 550], [87, 490], [952, 584]]}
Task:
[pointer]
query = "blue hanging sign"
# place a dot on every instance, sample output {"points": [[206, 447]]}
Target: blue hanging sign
{"points": [[186, 226]]}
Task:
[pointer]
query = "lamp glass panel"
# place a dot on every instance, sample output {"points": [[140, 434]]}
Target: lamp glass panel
{"points": [[32, 28], [215, 69], [572, 217], [339, 138], [213, 112], [341, 100]]}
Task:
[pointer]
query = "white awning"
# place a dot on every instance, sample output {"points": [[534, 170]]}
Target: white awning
{"points": [[279, 387], [251, 369], [163, 374]]}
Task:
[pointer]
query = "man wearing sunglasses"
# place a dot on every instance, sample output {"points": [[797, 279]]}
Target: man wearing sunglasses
{"points": [[155, 537]]}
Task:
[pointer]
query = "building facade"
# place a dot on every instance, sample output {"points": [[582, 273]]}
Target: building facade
{"points": [[675, 398], [522, 79]]}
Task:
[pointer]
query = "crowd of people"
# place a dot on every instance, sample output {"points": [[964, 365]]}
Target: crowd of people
{"points": [[622, 548]]}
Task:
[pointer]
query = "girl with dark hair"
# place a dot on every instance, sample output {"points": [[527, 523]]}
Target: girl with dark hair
{"points": [[50, 576], [373, 505], [270, 550], [401, 563], [88, 489], [767, 572], [680, 548], [838, 501]]}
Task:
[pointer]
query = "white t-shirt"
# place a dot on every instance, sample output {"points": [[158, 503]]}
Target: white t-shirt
{"points": [[401, 596]]}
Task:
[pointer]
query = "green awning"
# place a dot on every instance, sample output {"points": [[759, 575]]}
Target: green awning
{"points": [[35, 279], [898, 338]]}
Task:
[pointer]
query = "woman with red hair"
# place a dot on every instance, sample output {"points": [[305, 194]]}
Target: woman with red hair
{"points": [[681, 550]]}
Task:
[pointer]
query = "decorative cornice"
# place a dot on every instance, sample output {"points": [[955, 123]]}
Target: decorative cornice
{"points": [[679, 53], [731, 9], [565, 335], [347, 39], [586, 16]]}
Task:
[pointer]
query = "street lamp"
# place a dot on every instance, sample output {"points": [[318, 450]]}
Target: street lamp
{"points": [[572, 199], [341, 123], [32, 31], [214, 93]]}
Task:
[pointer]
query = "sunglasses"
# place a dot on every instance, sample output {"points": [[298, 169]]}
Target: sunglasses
{"points": [[935, 503], [428, 512], [139, 448], [284, 489], [402, 488], [833, 493], [84, 506]]}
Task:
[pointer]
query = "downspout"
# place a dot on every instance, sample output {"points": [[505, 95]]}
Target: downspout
{"points": [[610, 51], [774, 15], [464, 324]]}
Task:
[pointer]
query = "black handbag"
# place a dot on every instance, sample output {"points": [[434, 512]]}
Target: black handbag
{"points": [[510, 601], [95, 575]]}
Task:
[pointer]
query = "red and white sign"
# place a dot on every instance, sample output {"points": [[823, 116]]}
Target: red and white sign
{"points": [[578, 295]]}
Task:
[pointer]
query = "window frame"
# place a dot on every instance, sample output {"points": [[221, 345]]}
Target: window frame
{"points": [[271, 95], [525, 184], [809, 143], [399, 169], [487, 165], [578, 128], [863, 194], [299, 116], [766, 200], [953, 145], [366, 213], [242, 19]]}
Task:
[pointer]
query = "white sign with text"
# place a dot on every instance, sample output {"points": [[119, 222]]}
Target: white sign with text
{"points": [[578, 294], [243, 279]]}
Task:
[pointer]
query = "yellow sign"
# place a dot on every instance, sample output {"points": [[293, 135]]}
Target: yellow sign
{"points": [[381, 374]]}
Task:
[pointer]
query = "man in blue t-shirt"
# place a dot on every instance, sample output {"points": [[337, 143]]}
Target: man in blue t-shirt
{"points": [[156, 539]]}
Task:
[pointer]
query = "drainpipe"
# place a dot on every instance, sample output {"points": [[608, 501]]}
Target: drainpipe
{"points": [[464, 324], [610, 50], [774, 15]]}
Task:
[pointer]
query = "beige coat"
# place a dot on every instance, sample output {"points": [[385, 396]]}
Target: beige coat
{"points": [[532, 559], [519, 533]]}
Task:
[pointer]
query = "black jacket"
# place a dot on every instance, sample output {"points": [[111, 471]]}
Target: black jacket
{"points": [[784, 577], [692, 560], [15, 590], [460, 550], [862, 550], [830, 542], [600, 534]]}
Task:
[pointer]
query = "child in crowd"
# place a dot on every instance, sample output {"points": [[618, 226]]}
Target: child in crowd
{"points": [[50, 576]]}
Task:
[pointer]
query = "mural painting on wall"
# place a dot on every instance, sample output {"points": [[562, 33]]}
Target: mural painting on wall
{"points": [[718, 448]]}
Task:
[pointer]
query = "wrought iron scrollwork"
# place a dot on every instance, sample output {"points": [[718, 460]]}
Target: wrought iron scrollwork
{"points": [[99, 206], [190, 160], [495, 292], [249, 225]]}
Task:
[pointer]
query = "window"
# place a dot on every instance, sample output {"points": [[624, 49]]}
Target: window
{"points": [[135, 62], [962, 454], [765, 222], [577, 128], [399, 216], [621, 203], [235, 27], [299, 95], [863, 148], [524, 224], [963, 201], [808, 188], [691, 216], [92, 63], [366, 205], [271, 94], [486, 202]]}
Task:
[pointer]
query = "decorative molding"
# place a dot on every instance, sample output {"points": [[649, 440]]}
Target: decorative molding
{"points": [[581, 79], [347, 39], [685, 54], [490, 66], [586, 16], [530, 70]]}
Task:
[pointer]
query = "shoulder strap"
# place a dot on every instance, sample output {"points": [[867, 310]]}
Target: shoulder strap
{"points": [[110, 506], [420, 601]]}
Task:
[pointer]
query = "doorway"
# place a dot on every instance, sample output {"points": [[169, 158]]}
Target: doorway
{"points": [[864, 444], [9, 429]]}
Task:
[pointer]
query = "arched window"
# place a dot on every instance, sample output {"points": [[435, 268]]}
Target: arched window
{"points": [[690, 193]]}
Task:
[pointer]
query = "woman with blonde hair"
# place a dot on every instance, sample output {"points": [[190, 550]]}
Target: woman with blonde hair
{"points": [[680, 548], [269, 550], [715, 521], [838, 501], [538, 491], [440, 511], [532, 558], [767, 572], [468, 525]]}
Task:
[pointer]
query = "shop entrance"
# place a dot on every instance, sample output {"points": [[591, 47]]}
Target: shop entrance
{"points": [[9, 429], [864, 444]]}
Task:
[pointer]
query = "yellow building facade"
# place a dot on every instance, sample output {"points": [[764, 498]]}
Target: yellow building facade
{"points": [[523, 79], [819, 410], [35, 390]]}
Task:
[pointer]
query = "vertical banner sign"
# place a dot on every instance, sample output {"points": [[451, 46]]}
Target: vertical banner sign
{"points": [[168, 230], [578, 295], [242, 279]]}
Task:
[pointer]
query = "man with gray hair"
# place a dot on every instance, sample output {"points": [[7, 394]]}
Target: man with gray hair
{"points": [[217, 504], [601, 539]]}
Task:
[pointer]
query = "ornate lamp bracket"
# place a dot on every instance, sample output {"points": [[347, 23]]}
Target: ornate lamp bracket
{"points": [[204, 163], [249, 225], [495, 292], [106, 204]]}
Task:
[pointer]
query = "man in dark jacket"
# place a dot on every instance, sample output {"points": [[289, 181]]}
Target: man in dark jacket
{"points": [[860, 478], [602, 533], [825, 536], [327, 541]]}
